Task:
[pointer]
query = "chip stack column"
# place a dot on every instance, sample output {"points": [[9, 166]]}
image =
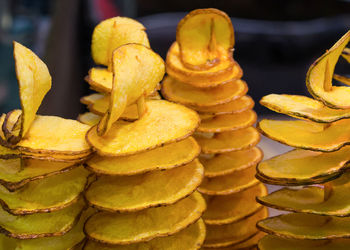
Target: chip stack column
{"points": [[203, 75], [315, 175]]}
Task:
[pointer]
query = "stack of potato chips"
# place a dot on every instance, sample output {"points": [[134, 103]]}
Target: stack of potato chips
{"points": [[203, 75]]}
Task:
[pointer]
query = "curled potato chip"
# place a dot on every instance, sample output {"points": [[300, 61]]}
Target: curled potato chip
{"points": [[304, 167], [41, 224], [230, 122], [319, 77], [227, 163], [136, 72], [72, 159], [303, 107], [223, 185], [304, 226], [308, 135], [91, 99], [234, 233], [46, 195], [227, 209], [191, 237], [342, 79], [113, 33], [187, 94], [144, 225], [100, 79], [161, 158], [129, 138], [137, 192], [11, 126], [89, 118], [229, 141]]}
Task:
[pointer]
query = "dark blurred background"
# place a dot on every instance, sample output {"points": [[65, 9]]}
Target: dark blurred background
{"points": [[276, 41]]}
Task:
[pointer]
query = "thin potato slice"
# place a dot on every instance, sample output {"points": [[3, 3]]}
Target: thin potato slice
{"points": [[223, 185], [303, 107], [229, 141], [91, 99], [226, 163], [137, 192], [234, 233], [46, 195], [311, 199], [113, 33], [41, 224], [304, 167], [161, 158], [72, 159], [11, 126], [222, 123], [308, 135], [219, 74], [304, 226], [342, 79], [89, 118], [15, 173], [319, 77], [8, 153], [190, 238], [230, 208], [236, 106], [100, 79], [145, 225], [187, 94], [173, 122]]}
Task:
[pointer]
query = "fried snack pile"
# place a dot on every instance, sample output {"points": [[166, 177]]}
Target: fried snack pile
{"points": [[146, 162], [315, 174], [203, 75], [41, 175]]}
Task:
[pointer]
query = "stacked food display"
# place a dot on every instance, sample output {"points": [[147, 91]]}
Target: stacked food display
{"points": [[317, 167], [146, 163], [203, 75], [41, 176]]}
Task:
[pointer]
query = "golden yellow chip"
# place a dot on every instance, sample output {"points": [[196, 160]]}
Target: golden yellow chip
{"points": [[127, 228], [227, 163], [91, 99], [161, 158], [89, 118], [46, 195], [319, 77], [137, 192], [11, 125], [56, 157], [342, 79], [100, 79], [303, 107], [234, 233], [113, 33], [229, 141], [8, 153], [2, 135], [308, 135], [346, 54], [136, 72], [129, 138], [187, 94], [223, 185], [249, 244], [227, 209], [191, 237]]}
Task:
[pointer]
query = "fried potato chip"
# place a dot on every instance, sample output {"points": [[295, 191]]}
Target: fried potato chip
{"points": [[249, 244], [89, 118], [303, 107], [236, 106], [46, 195], [8, 153], [234, 233], [191, 237], [319, 77], [91, 99], [127, 228], [230, 122], [113, 33], [187, 94], [230, 208], [223, 185], [271, 242], [173, 122], [311, 199], [72, 159], [3, 139], [41, 224], [218, 74], [342, 79], [304, 167], [308, 135], [346, 54], [15, 173], [161, 158], [229, 141], [226, 163], [136, 72], [100, 79], [11, 126], [304, 226], [137, 192]]}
